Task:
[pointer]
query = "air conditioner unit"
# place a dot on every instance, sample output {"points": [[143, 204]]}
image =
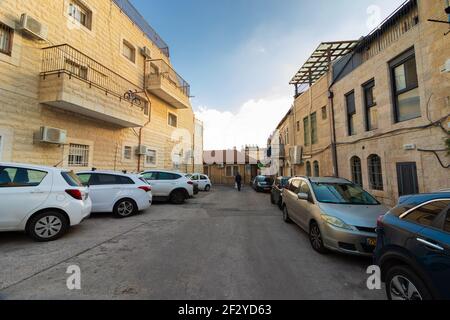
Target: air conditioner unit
{"points": [[141, 150], [145, 51], [52, 135], [33, 27]]}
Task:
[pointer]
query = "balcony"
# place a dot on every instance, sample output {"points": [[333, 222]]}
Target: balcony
{"points": [[72, 81], [164, 82]]}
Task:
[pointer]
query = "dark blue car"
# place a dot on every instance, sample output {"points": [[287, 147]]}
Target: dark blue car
{"points": [[413, 248]]}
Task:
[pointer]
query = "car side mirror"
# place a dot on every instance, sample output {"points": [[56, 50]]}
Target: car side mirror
{"points": [[303, 196]]}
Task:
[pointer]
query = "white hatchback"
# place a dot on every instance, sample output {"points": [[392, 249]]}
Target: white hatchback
{"points": [[42, 201], [203, 181], [119, 193]]}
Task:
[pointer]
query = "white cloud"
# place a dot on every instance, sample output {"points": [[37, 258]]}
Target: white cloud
{"points": [[251, 124]]}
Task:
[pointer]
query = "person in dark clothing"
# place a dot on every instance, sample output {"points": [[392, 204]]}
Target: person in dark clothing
{"points": [[238, 181]]}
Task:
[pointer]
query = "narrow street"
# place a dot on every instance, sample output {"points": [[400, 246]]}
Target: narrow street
{"points": [[221, 245]]}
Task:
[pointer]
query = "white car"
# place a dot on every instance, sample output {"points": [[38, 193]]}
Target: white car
{"points": [[119, 193], [203, 181], [168, 185], [42, 201]]}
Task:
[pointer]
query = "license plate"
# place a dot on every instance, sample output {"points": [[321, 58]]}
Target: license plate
{"points": [[372, 242]]}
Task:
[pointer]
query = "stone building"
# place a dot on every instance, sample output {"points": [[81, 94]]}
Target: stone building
{"points": [[381, 105], [90, 84]]}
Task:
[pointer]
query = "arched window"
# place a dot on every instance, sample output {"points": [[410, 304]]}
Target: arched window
{"points": [[375, 172], [316, 169], [355, 165], [308, 169]]}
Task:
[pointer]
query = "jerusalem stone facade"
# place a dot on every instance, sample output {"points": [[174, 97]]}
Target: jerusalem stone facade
{"points": [[76, 79]]}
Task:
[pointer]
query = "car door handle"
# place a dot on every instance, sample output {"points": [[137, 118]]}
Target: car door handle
{"points": [[430, 245], [37, 192]]}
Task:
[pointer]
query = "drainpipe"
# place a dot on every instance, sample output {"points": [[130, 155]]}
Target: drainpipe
{"points": [[334, 156], [149, 114]]}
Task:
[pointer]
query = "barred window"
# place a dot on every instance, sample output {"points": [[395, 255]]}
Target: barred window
{"points": [[127, 152], [78, 155], [375, 172], [355, 164], [6, 39]]}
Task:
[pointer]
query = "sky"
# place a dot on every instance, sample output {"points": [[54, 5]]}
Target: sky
{"points": [[239, 55]]}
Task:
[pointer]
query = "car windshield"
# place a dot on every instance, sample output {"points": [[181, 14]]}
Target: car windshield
{"points": [[342, 193]]}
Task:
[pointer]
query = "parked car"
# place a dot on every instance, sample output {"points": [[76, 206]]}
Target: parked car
{"points": [[276, 196], [169, 186], [203, 181], [196, 187], [413, 248], [262, 183], [42, 201], [119, 193], [337, 214]]}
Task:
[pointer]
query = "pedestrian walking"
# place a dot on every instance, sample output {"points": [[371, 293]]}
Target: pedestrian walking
{"points": [[238, 181]]}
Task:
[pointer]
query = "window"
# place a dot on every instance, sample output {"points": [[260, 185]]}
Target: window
{"points": [[287, 136], [6, 39], [295, 186], [304, 188], [78, 155], [150, 176], [324, 113], [355, 165], [426, 214], [172, 120], [351, 112], [405, 87], [76, 69], [84, 178], [369, 106], [316, 169], [231, 171], [127, 152], [375, 172], [150, 158], [11, 177], [447, 223], [314, 137], [129, 51], [308, 169], [80, 13], [298, 126], [71, 179], [168, 176], [306, 131]]}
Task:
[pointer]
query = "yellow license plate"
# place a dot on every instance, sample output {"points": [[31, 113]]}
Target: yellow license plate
{"points": [[372, 242]]}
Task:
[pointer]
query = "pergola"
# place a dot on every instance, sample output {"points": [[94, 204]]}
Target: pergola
{"points": [[319, 62]]}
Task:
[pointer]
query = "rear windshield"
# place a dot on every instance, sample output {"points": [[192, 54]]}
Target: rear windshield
{"points": [[342, 193], [267, 180], [71, 179]]}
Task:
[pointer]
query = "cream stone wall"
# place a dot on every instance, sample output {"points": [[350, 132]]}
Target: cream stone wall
{"points": [[432, 49], [22, 89]]}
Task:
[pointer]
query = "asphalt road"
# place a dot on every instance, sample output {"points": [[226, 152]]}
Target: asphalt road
{"points": [[221, 245]]}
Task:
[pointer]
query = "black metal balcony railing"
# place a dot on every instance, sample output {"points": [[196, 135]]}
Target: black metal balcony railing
{"points": [[161, 69], [66, 59]]}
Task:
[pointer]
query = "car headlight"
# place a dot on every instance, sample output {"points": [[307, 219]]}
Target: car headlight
{"points": [[336, 222]]}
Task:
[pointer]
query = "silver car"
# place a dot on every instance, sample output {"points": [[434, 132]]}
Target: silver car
{"points": [[337, 214]]}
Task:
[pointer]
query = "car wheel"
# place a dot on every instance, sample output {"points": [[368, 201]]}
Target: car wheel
{"points": [[286, 215], [315, 237], [208, 188], [125, 208], [177, 197], [47, 226], [403, 284]]}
